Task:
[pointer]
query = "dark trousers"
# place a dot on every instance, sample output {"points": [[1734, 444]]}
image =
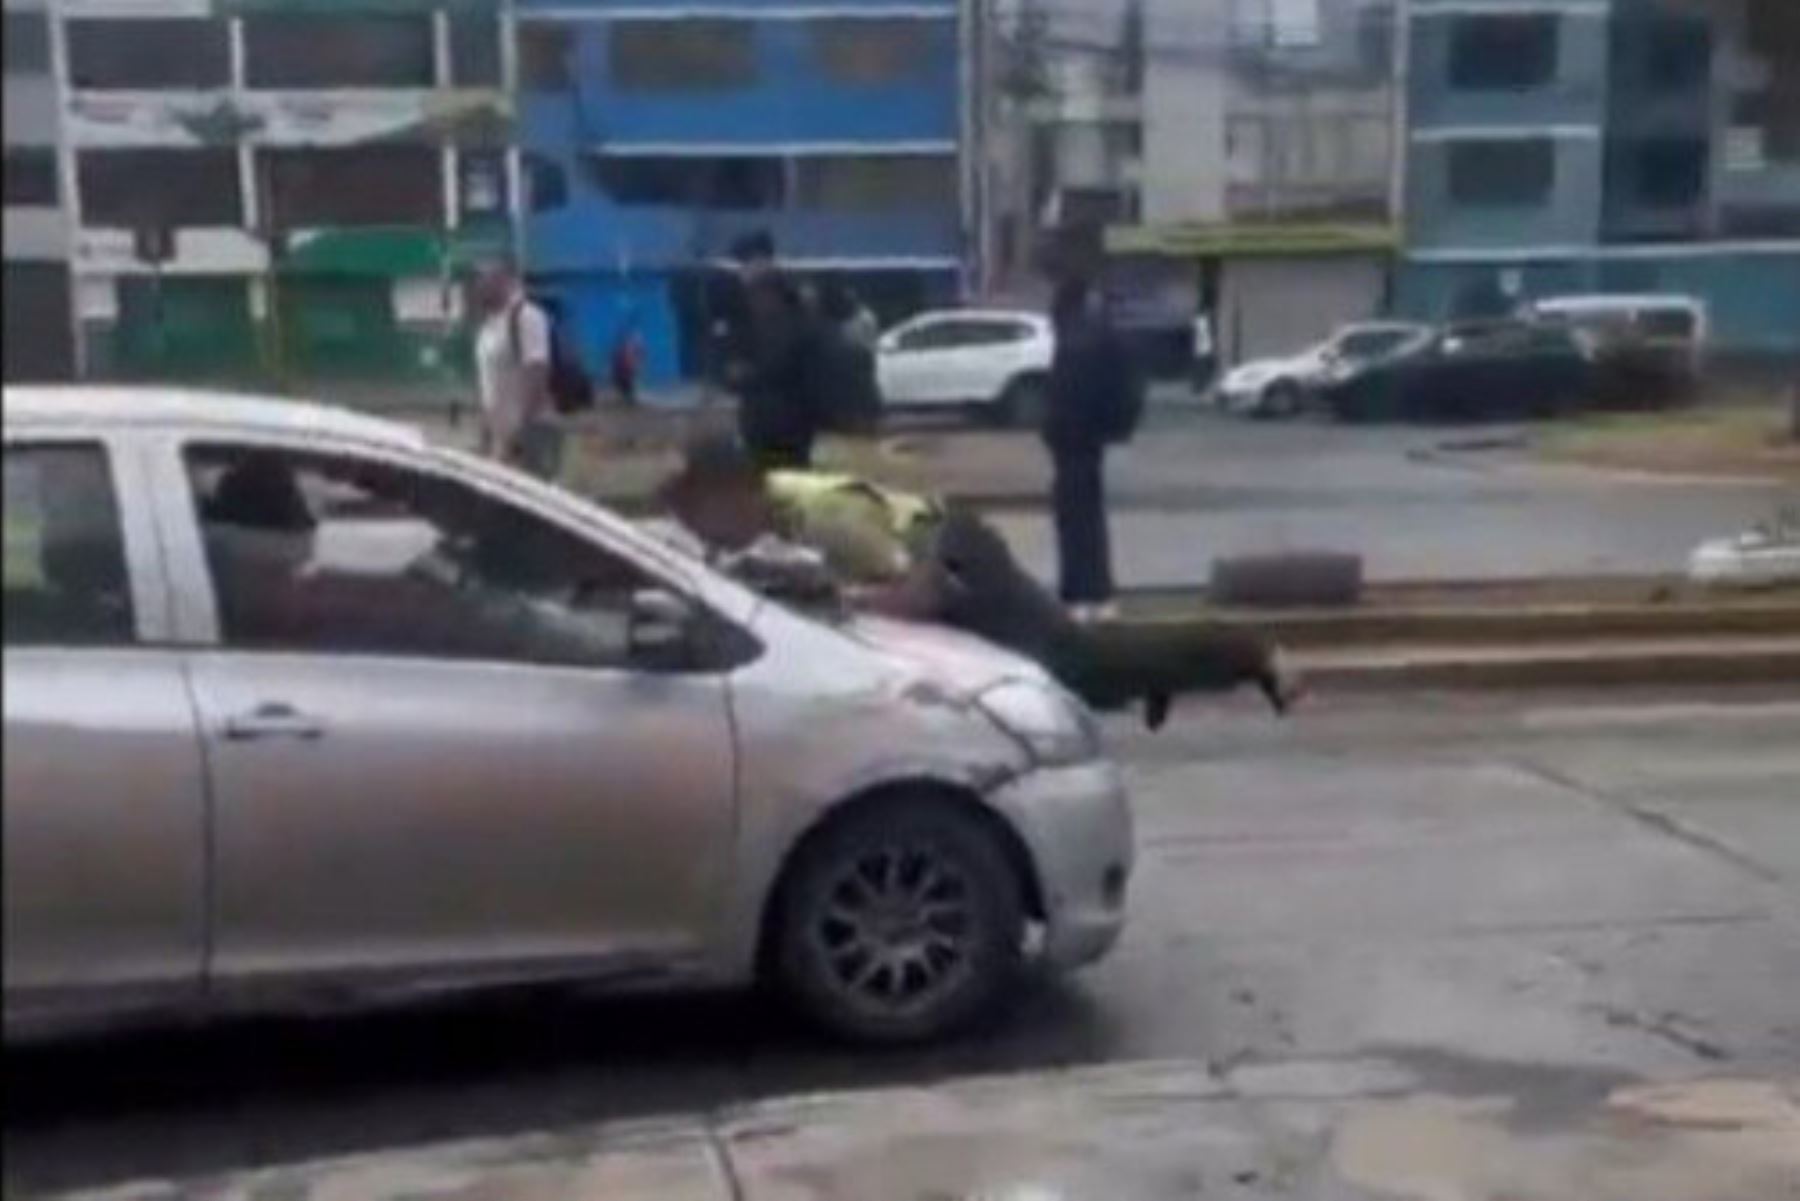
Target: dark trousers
{"points": [[1083, 549], [1110, 666]]}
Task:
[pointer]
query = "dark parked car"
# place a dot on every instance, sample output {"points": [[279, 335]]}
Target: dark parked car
{"points": [[1471, 371]]}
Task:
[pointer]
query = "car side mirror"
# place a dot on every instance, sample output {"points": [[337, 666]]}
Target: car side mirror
{"points": [[660, 627], [888, 343]]}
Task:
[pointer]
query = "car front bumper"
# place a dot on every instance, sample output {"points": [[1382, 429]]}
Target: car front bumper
{"points": [[1076, 823]]}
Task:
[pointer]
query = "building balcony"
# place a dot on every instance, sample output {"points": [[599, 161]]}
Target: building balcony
{"points": [[593, 237], [651, 83], [1365, 200]]}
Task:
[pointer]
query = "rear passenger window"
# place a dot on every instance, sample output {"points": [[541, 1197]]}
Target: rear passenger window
{"points": [[66, 580], [338, 555], [941, 335]]}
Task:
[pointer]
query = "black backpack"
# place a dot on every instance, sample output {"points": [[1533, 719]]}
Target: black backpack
{"points": [[846, 398], [571, 388]]}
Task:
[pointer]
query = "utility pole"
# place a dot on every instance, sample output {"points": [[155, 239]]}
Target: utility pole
{"points": [[1399, 104], [977, 90]]}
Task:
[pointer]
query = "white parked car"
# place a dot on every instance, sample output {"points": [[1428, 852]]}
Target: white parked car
{"points": [[1279, 387], [992, 361], [301, 709]]}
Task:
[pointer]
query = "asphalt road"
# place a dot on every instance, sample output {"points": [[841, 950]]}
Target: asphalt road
{"points": [[1543, 897], [1194, 486]]}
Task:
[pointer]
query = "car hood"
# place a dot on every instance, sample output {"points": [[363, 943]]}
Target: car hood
{"points": [[1261, 370], [964, 665]]}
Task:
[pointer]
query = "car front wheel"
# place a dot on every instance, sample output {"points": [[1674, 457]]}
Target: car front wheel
{"points": [[1282, 398], [901, 922]]}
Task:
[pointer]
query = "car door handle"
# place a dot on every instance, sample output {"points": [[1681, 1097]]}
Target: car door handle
{"points": [[272, 720]]}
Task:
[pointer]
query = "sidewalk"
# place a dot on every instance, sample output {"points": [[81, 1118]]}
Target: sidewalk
{"points": [[1330, 1130]]}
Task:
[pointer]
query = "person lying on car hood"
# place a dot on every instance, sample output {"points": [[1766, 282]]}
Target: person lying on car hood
{"points": [[826, 538]]}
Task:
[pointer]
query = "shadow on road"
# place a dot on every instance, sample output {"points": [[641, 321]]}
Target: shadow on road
{"points": [[242, 1094]]}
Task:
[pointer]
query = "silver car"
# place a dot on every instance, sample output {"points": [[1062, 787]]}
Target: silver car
{"points": [[302, 711]]}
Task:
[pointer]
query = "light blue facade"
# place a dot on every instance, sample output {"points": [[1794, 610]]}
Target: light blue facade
{"points": [[1626, 80], [814, 143]]}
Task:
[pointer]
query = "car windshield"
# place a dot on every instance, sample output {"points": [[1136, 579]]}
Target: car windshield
{"points": [[1362, 345]]}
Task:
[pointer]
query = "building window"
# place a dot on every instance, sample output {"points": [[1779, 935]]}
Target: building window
{"points": [[36, 338], [546, 54], [870, 52], [31, 176], [1492, 174], [1677, 54], [27, 43], [481, 183], [1503, 53], [1669, 172], [1772, 127], [736, 182], [863, 183], [161, 188], [290, 51], [1375, 40], [546, 184], [711, 54], [1098, 206], [392, 184], [474, 51], [126, 54]]}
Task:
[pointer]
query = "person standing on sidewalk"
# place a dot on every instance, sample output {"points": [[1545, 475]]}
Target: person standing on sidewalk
{"points": [[512, 364], [627, 362], [771, 367], [1094, 400]]}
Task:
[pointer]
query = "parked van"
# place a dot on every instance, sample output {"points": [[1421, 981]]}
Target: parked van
{"points": [[1647, 348]]}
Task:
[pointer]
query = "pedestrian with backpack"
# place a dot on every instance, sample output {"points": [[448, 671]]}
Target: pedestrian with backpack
{"points": [[1095, 400], [512, 366], [528, 374]]}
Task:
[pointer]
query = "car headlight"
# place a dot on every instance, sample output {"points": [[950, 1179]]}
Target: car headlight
{"points": [[1052, 726]]}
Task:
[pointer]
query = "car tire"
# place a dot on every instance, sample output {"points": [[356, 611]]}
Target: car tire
{"points": [[1282, 398], [1022, 402], [900, 922]]}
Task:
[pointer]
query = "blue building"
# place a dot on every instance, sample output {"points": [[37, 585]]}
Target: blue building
{"points": [[653, 133], [1563, 146]]}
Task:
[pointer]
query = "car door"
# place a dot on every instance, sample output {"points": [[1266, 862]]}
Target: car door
{"points": [[918, 361], [987, 357], [437, 749], [105, 800]]}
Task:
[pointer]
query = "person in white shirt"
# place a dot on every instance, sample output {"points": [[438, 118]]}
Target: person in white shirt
{"points": [[512, 364]]}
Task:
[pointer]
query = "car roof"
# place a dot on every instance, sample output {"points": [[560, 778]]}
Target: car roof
{"points": [[126, 406], [984, 314], [1602, 302], [1383, 327]]}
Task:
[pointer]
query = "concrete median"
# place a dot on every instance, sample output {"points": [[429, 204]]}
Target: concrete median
{"points": [[1519, 634]]}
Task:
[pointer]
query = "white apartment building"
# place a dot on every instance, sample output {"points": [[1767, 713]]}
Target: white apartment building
{"points": [[40, 342], [1239, 153]]}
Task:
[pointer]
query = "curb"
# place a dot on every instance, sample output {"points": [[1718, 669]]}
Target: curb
{"points": [[1530, 625], [1619, 664]]}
